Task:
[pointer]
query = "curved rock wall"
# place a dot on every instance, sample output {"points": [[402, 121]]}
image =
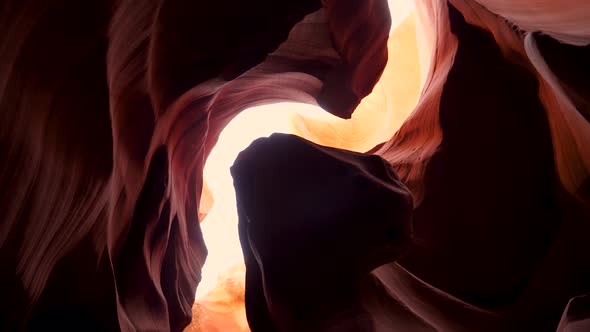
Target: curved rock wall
{"points": [[108, 110]]}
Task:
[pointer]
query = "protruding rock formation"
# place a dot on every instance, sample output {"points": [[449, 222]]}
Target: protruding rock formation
{"points": [[314, 221], [576, 316]]}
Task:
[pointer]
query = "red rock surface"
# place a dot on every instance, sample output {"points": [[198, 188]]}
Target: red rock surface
{"points": [[108, 110]]}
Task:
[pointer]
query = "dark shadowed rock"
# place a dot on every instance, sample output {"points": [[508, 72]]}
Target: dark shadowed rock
{"points": [[313, 221]]}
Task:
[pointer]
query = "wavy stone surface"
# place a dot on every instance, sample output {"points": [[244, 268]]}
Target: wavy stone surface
{"points": [[108, 110]]}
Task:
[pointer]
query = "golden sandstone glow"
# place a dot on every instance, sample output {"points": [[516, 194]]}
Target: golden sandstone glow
{"points": [[220, 225], [382, 112], [220, 295]]}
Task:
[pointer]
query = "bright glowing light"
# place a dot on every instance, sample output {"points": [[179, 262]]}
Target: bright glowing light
{"points": [[220, 293], [220, 226]]}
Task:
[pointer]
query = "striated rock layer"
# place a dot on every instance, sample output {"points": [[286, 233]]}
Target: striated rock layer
{"points": [[108, 110]]}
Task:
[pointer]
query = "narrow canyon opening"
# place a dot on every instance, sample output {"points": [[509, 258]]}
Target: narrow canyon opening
{"points": [[219, 304], [220, 294]]}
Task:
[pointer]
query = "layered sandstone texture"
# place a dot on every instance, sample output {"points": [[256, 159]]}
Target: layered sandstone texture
{"points": [[109, 109]]}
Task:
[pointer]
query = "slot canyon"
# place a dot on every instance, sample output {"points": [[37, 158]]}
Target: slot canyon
{"points": [[295, 165]]}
